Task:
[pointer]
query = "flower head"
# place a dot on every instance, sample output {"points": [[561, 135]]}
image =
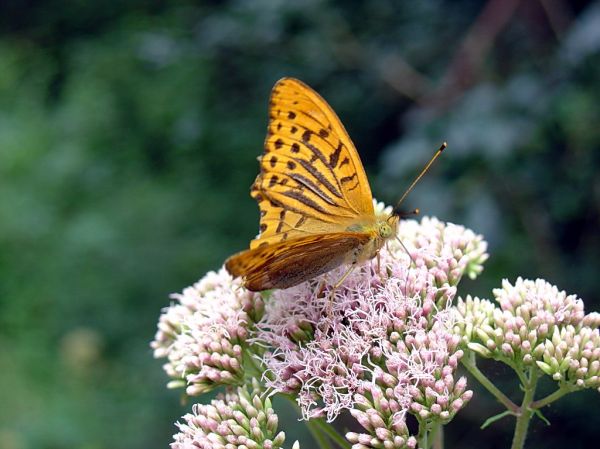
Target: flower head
{"points": [[378, 344], [533, 323], [243, 419], [202, 335]]}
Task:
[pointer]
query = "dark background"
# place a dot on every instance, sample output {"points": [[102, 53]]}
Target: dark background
{"points": [[129, 133]]}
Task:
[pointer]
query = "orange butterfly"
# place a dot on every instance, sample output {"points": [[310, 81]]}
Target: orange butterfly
{"points": [[316, 207]]}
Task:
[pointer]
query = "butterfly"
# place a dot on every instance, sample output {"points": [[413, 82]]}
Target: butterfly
{"points": [[316, 206]]}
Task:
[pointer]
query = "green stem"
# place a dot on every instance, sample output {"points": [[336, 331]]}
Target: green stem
{"points": [[423, 434], [437, 436], [518, 369], [321, 429], [252, 369], [321, 439], [564, 389], [328, 430], [469, 364], [526, 412]]}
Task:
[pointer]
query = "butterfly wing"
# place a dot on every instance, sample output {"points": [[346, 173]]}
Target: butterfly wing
{"points": [[289, 263], [312, 180]]}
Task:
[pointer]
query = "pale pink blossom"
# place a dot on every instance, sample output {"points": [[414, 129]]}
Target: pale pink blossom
{"points": [[378, 344], [533, 323], [240, 419], [202, 334]]}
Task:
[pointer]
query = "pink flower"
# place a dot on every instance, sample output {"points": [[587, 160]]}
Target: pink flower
{"points": [[377, 345], [202, 335], [535, 324], [242, 419]]}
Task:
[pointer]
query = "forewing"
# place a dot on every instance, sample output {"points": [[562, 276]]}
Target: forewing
{"points": [[289, 263], [312, 179]]}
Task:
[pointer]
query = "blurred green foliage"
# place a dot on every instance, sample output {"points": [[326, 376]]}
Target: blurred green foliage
{"points": [[128, 137]]}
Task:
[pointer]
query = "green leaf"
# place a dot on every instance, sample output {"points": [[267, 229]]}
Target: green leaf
{"points": [[540, 415], [495, 418]]}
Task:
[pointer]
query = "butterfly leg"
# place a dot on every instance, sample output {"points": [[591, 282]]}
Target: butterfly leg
{"points": [[335, 287], [387, 248], [379, 268], [388, 270], [343, 278]]}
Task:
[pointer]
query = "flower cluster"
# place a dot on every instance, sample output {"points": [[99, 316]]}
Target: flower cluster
{"points": [[534, 324], [234, 420], [378, 344], [382, 340], [450, 250], [418, 379], [202, 335]]}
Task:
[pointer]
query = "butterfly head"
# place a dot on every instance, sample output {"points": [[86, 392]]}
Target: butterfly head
{"points": [[387, 228]]}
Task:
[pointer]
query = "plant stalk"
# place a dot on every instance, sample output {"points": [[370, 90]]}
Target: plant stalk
{"points": [[329, 430], [437, 436], [526, 412], [423, 435], [470, 365], [320, 430], [535, 405], [321, 439]]}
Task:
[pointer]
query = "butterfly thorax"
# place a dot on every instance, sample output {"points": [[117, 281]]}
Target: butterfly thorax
{"points": [[380, 230], [382, 226]]}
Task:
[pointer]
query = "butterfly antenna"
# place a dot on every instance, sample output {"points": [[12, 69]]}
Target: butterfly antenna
{"points": [[407, 251], [403, 197]]}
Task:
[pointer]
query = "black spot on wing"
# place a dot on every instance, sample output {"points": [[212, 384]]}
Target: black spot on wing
{"points": [[346, 179], [300, 222], [335, 156]]}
